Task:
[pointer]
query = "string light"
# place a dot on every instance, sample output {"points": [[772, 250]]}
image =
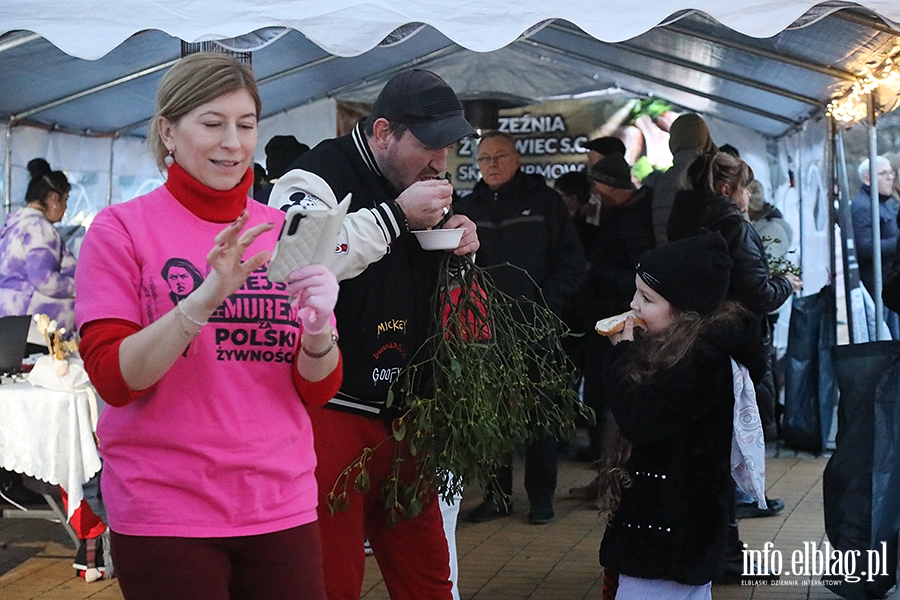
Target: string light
{"points": [[852, 105]]}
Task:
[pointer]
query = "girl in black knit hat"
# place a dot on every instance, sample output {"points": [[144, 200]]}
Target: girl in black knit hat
{"points": [[666, 473]]}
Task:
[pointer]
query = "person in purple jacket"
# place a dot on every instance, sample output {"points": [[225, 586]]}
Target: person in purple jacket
{"points": [[37, 271]]}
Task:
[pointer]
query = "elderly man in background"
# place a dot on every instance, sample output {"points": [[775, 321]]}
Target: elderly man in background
{"points": [[861, 213], [529, 241]]}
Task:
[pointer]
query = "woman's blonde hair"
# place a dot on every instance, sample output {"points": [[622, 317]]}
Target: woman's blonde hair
{"points": [[711, 171], [195, 80]]}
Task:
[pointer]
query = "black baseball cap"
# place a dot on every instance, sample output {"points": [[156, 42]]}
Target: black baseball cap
{"points": [[427, 105]]}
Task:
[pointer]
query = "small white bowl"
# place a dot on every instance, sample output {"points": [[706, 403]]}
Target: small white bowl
{"points": [[439, 239]]}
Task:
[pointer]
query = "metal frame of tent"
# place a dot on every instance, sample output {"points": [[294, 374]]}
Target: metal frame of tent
{"points": [[776, 86]]}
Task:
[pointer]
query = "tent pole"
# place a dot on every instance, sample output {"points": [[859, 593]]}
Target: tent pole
{"points": [[12, 40], [832, 195], [98, 88], [718, 73], [856, 312], [109, 183], [7, 192], [419, 63], [853, 16], [800, 176], [777, 56], [876, 212], [832, 213]]}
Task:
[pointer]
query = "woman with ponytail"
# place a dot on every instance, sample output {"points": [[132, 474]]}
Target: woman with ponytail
{"points": [[37, 270]]}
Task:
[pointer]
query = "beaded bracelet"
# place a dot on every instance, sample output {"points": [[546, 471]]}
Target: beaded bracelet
{"points": [[188, 317], [181, 310], [321, 354]]}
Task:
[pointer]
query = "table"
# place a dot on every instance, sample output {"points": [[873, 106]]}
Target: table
{"points": [[49, 435]]}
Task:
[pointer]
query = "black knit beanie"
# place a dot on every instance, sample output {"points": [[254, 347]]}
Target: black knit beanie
{"points": [[613, 171], [606, 145], [281, 151], [691, 274]]}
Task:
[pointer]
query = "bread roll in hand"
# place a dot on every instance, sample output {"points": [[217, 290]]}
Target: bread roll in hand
{"points": [[613, 325]]}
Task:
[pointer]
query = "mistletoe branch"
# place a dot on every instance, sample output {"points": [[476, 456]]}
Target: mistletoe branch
{"points": [[492, 377]]}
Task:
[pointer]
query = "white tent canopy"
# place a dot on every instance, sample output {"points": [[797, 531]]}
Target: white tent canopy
{"points": [[699, 55], [78, 79], [91, 28], [765, 65]]}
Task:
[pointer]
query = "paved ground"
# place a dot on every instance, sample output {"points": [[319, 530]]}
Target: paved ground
{"points": [[504, 559]]}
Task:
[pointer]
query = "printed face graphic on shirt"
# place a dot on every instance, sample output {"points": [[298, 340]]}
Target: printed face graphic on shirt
{"points": [[257, 323], [179, 281], [182, 277]]}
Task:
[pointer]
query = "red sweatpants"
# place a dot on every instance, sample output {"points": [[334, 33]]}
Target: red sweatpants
{"points": [[413, 555]]}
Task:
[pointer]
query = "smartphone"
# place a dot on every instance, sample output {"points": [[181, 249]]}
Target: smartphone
{"points": [[308, 236]]}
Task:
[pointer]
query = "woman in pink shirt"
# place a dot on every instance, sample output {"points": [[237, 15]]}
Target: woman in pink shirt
{"points": [[208, 454]]}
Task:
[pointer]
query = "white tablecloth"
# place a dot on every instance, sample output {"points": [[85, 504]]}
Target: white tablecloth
{"points": [[47, 434]]}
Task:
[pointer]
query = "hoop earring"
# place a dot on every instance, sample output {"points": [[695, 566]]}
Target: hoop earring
{"points": [[169, 160]]}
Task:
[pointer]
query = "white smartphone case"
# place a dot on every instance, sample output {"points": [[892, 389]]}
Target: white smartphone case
{"points": [[310, 231]]}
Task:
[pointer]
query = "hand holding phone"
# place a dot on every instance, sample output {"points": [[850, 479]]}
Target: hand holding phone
{"points": [[312, 224]]}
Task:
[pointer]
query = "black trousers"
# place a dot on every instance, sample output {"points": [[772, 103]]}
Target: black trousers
{"points": [[541, 466]]}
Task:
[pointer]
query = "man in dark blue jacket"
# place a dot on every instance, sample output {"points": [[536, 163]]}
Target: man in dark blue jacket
{"points": [[523, 222], [861, 211]]}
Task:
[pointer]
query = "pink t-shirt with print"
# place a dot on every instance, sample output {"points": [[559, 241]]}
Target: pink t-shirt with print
{"points": [[222, 445]]}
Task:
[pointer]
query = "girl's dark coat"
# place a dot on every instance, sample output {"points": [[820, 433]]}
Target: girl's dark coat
{"points": [[672, 521]]}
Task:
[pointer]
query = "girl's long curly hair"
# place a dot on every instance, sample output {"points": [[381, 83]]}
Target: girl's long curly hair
{"points": [[653, 354]]}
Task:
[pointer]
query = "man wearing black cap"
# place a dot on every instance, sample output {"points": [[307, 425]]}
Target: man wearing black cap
{"points": [[624, 234], [603, 146], [390, 163], [598, 149], [529, 240]]}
